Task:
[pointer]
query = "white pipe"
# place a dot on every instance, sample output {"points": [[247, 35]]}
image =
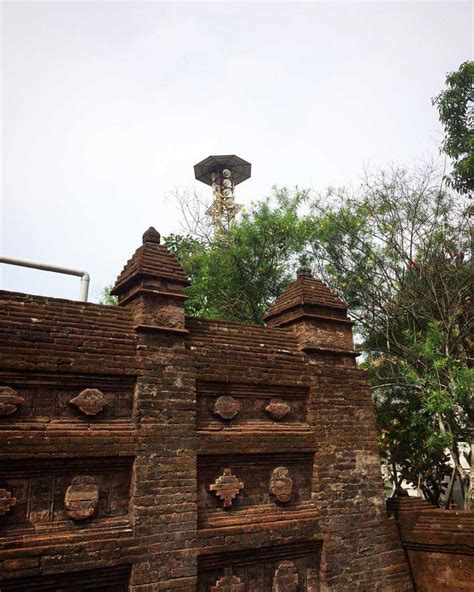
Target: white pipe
{"points": [[85, 277]]}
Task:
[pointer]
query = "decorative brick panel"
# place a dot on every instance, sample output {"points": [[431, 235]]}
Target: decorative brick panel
{"points": [[282, 568], [262, 484], [47, 397], [254, 406], [43, 488]]}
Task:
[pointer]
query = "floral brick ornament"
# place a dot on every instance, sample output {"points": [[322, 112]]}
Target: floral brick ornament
{"points": [[278, 409], [90, 401], [227, 487], [286, 577], [227, 407], [281, 484], [7, 501], [9, 401], [82, 497]]}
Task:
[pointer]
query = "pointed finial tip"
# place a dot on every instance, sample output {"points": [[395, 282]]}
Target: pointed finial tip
{"points": [[151, 236], [304, 272]]}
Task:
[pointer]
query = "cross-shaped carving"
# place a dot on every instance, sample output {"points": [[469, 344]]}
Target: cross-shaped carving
{"points": [[227, 487], [228, 583]]}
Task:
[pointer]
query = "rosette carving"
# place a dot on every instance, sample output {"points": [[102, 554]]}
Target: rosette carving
{"points": [[82, 497], [90, 401], [7, 501], [227, 407], [9, 401], [278, 409], [281, 484]]}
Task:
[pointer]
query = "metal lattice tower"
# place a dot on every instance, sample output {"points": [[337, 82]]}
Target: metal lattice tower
{"points": [[222, 173]]}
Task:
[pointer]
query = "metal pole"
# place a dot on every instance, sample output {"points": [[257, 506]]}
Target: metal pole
{"points": [[84, 289], [85, 278]]}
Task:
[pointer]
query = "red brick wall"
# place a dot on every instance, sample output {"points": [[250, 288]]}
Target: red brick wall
{"points": [[208, 456], [439, 545]]}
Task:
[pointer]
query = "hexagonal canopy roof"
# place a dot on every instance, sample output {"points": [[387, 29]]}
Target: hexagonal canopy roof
{"points": [[240, 168]]}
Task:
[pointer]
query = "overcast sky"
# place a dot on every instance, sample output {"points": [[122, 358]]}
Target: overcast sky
{"points": [[106, 107]]}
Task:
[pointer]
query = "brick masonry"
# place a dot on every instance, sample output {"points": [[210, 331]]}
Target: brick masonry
{"points": [[439, 544], [143, 450]]}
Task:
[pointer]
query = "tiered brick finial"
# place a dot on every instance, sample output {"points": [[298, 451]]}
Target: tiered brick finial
{"points": [[314, 312], [152, 261], [304, 272], [152, 284], [306, 291], [151, 236]]}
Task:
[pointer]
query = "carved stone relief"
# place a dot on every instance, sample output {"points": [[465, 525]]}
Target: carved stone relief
{"points": [[286, 577], [7, 501], [227, 487], [278, 409], [228, 583], [90, 401], [281, 484], [9, 401], [82, 497], [227, 407]]}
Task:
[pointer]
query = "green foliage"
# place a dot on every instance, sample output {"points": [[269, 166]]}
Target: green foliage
{"points": [[455, 106], [426, 413], [410, 440], [107, 298], [236, 276], [398, 253], [192, 254]]}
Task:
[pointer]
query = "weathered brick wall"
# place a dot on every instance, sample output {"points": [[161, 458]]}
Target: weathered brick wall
{"points": [[50, 351], [142, 450], [361, 540], [439, 544]]}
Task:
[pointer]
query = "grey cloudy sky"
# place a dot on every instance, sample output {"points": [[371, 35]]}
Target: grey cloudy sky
{"points": [[106, 107]]}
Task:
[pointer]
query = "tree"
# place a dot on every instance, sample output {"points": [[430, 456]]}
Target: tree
{"points": [[397, 251], [107, 298], [238, 275], [456, 111], [404, 430]]}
